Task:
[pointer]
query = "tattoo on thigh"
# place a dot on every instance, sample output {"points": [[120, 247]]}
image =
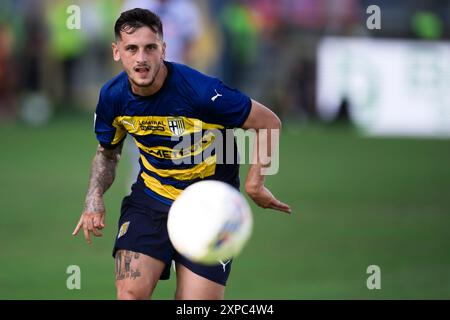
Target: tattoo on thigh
{"points": [[123, 265]]}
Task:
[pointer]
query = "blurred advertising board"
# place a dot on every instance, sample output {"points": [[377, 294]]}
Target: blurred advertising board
{"points": [[391, 87]]}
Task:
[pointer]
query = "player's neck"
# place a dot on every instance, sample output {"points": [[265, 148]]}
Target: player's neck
{"points": [[155, 87]]}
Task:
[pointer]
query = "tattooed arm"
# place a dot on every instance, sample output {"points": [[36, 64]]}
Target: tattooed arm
{"points": [[103, 172]]}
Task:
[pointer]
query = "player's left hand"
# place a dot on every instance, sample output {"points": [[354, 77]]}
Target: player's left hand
{"points": [[90, 222], [265, 199]]}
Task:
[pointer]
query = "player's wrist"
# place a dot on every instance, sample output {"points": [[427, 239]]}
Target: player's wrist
{"points": [[94, 204], [252, 187], [255, 181]]}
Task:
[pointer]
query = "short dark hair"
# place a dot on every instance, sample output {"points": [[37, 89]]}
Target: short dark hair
{"points": [[137, 18]]}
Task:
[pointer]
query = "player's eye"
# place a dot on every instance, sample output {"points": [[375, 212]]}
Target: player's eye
{"points": [[152, 47], [131, 48]]}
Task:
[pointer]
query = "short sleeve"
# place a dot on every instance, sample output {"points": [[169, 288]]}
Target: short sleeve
{"points": [[224, 105], [108, 130]]}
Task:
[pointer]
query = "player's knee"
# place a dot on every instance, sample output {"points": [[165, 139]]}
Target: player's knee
{"points": [[127, 293]]}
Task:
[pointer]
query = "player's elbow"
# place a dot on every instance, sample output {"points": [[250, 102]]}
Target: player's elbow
{"points": [[270, 119], [271, 122], [262, 117], [276, 122]]}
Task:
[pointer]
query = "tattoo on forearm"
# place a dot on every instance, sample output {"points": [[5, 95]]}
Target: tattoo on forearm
{"points": [[124, 265], [102, 176]]}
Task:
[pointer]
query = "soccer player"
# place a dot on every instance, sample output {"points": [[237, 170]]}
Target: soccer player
{"points": [[154, 100]]}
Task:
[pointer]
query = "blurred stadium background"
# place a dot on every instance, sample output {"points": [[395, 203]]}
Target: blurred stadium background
{"points": [[365, 149]]}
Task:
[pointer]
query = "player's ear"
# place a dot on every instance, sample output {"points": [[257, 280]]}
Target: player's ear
{"points": [[115, 51]]}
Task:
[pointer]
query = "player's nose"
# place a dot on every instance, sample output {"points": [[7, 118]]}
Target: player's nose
{"points": [[141, 56]]}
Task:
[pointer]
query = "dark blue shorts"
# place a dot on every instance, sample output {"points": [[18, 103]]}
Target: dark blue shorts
{"points": [[143, 229]]}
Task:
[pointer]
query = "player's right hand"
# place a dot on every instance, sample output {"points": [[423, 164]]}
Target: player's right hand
{"points": [[90, 222], [265, 199]]}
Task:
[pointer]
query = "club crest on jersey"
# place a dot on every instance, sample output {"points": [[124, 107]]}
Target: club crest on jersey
{"points": [[176, 126], [123, 229]]}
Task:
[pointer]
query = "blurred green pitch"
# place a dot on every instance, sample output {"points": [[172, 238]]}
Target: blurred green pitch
{"points": [[356, 202]]}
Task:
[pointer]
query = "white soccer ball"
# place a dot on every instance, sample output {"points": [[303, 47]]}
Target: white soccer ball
{"points": [[210, 222]]}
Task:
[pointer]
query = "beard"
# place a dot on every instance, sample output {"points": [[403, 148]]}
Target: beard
{"points": [[145, 84], [148, 83]]}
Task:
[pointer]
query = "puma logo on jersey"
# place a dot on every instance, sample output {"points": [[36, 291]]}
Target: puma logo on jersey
{"points": [[216, 96], [128, 123]]}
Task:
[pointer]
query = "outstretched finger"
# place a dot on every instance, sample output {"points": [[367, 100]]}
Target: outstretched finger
{"points": [[77, 228], [278, 205]]}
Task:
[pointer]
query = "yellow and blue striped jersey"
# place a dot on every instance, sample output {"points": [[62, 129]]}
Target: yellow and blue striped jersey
{"points": [[190, 110]]}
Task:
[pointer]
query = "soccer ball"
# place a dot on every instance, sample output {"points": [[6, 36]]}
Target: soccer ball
{"points": [[209, 222]]}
